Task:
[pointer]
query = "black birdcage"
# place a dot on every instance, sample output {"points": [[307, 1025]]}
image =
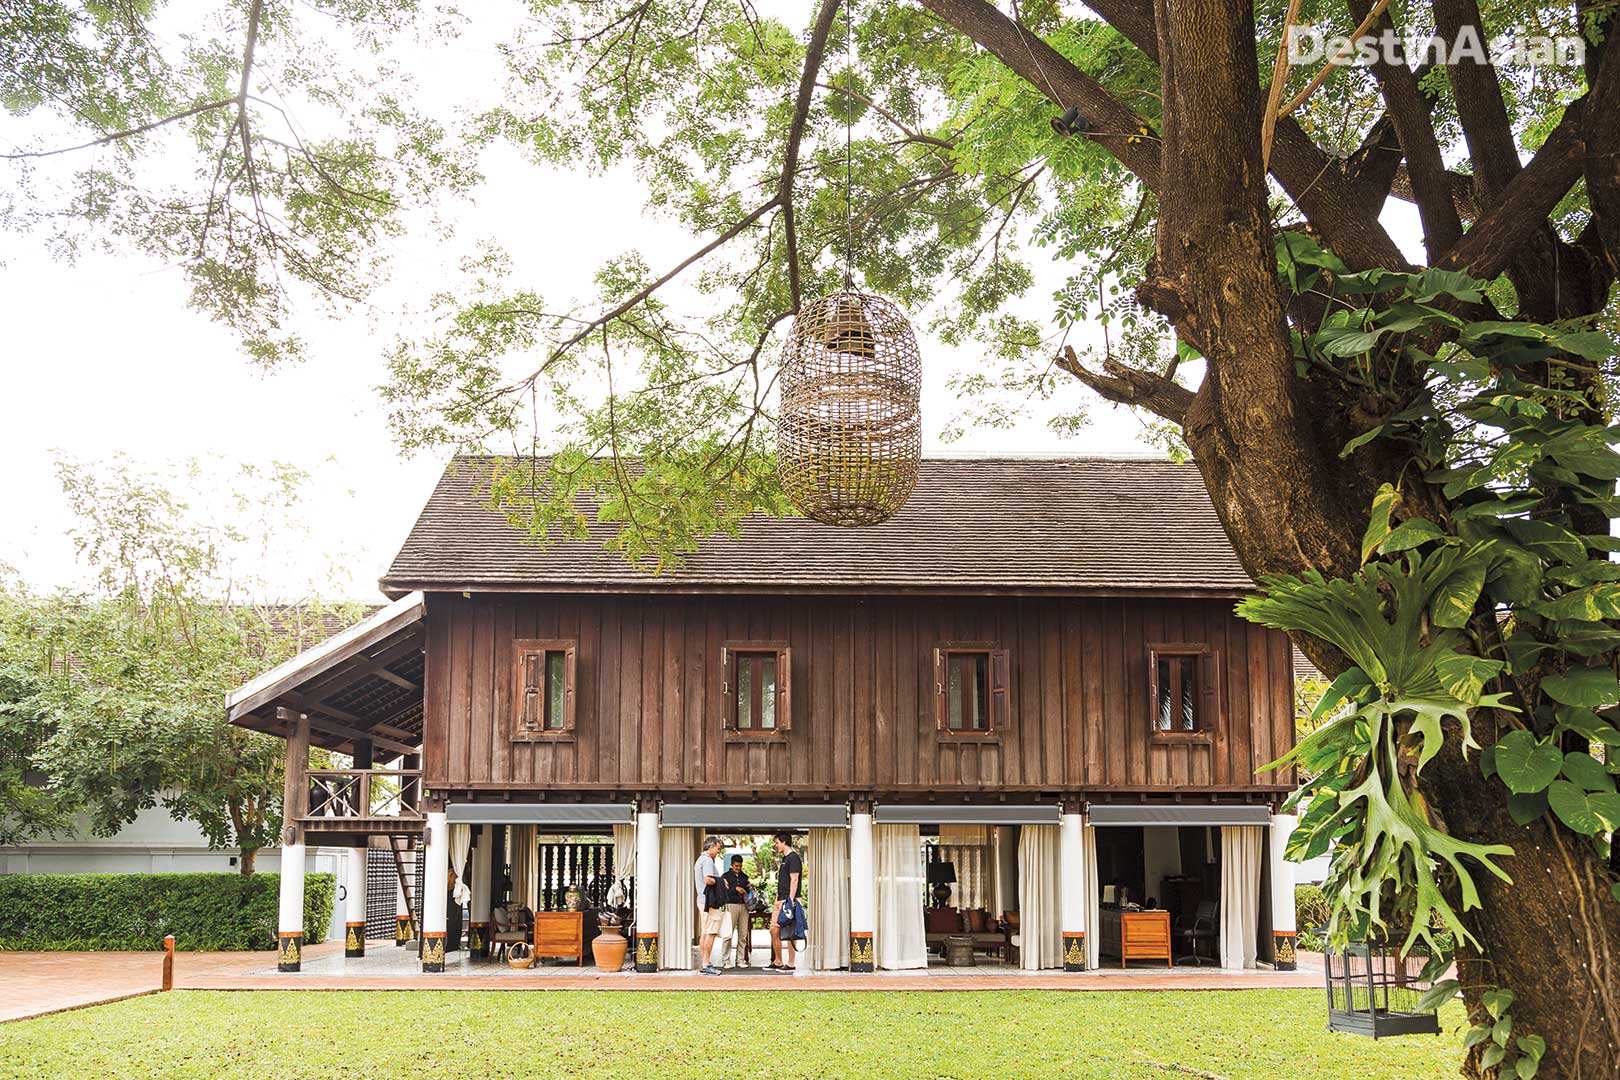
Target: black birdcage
{"points": [[1374, 990]]}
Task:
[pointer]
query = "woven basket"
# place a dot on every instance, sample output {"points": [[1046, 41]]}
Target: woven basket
{"points": [[520, 956], [849, 434]]}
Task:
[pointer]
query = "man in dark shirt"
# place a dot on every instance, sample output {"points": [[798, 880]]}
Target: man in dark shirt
{"points": [[789, 875], [737, 887]]}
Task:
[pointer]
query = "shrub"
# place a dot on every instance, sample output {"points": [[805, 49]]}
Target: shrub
{"points": [[1311, 907], [204, 912]]}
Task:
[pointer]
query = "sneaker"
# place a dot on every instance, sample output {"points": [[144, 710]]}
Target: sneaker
{"points": [[710, 969]]}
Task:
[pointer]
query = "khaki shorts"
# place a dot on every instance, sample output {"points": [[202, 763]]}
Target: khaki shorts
{"points": [[711, 920]]}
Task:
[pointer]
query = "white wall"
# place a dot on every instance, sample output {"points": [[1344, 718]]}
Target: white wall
{"points": [[1161, 858]]}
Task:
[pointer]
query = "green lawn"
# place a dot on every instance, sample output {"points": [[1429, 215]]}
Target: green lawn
{"points": [[437, 1035]]}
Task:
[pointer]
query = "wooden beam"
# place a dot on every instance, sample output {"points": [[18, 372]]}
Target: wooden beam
{"points": [[295, 780]]}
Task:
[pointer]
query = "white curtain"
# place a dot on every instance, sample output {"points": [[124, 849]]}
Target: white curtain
{"points": [[460, 846], [901, 942], [1091, 899], [1039, 918], [827, 885], [1242, 848], [624, 862], [525, 867], [971, 891], [677, 898], [1004, 863]]}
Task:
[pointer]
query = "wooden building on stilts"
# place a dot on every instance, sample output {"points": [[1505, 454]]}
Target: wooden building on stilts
{"points": [[1020, 713]]}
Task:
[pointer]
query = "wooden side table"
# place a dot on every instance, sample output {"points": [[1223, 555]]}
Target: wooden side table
{"points": [[560, 935]]}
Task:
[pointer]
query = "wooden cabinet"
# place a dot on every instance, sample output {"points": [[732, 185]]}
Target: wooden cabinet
{"points": [[1136, 935], [560, 935]]}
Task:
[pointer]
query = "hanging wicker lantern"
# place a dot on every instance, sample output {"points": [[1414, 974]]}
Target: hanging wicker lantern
{"points": [[849, 435]]}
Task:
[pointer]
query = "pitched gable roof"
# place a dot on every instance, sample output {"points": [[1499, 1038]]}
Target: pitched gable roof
{"points": [[1075, 524]]}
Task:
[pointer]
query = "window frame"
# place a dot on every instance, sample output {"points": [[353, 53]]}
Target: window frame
{"points": [[523, 649], [998, 691], [1210, 708], [729, 653]]}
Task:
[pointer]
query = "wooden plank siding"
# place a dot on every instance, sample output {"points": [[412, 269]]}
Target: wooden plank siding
{"points": [[648, 692]]}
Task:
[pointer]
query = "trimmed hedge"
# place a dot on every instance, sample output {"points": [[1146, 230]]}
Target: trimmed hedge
{"points": [[119, 912], [1311, 907]]}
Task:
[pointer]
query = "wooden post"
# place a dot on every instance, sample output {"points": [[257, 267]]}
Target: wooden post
{"points": [[862, 890], [363, 760], [1071, 884], [435, 890], [294, 806], [1284, 932], [647, 854], [168, 962]]}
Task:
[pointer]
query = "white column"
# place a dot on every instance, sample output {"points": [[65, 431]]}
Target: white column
{"points": [[483, 862], [1283, 928], [435, 887], [354, 903], [647, 872], [290, 916], [862, 892], [1071, 888]]}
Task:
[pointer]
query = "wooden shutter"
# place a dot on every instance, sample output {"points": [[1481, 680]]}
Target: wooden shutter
{"points": [[1209, 691], [784, 685], [940, 719], [728, 687], [531, 674], [1000, 678], [529, 716], [570, 659]]}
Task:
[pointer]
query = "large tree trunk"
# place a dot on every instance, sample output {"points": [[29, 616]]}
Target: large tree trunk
{"points": [[1269, 453], [250, 861]]}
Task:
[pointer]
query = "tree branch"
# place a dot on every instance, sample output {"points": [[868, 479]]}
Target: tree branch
{"points": [[1125, 385], [1410, 113], [1521, 208], [207, 106], [1330, 201], [1114, 126], [801, 115], [1491, 145]]}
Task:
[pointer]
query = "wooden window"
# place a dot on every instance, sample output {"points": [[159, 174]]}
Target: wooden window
{"points": [[545, 689], [1184, 692], [970, 689], [757, 688]]}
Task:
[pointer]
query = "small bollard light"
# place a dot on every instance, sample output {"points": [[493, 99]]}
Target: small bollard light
{"points": [[168, 962]]}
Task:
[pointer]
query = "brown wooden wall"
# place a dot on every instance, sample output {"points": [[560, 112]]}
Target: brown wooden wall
{"points": [[648, 686]]}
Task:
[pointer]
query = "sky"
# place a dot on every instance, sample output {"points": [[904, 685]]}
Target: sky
{"points": [[103, 357]]}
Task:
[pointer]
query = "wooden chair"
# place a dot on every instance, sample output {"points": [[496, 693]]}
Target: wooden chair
{"points": [[1203, 927], [512, 923]]}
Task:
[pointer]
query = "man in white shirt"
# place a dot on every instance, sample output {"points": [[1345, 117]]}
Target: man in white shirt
{"points": [[711, 908]]}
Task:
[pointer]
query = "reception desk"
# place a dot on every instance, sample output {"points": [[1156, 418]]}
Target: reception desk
{"points": [[1135, 935]]}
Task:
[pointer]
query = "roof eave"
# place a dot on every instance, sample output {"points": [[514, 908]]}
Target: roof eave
{"points": [[403, 586]]}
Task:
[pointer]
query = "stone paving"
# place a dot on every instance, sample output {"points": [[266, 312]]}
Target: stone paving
{"points": [[33, 984]]}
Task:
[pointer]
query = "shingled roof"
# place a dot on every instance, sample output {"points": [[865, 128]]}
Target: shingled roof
{"points": [[1074, 524]]}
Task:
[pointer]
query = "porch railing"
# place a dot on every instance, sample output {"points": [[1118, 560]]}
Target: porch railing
{"points": [[365, 793]]}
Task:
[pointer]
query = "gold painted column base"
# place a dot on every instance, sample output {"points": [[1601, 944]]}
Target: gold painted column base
{"points": [[432, 950], [1284, 952], [402, 930], [646, 952], [354, 939], [289, 951], [478, 940], [861, 955], [1074, 951]]}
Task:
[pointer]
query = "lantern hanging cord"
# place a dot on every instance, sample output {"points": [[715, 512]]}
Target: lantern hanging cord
{"points": [[849, 145]]}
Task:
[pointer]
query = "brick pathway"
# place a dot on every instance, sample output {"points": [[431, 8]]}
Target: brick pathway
{"points": [[33, 984]]}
